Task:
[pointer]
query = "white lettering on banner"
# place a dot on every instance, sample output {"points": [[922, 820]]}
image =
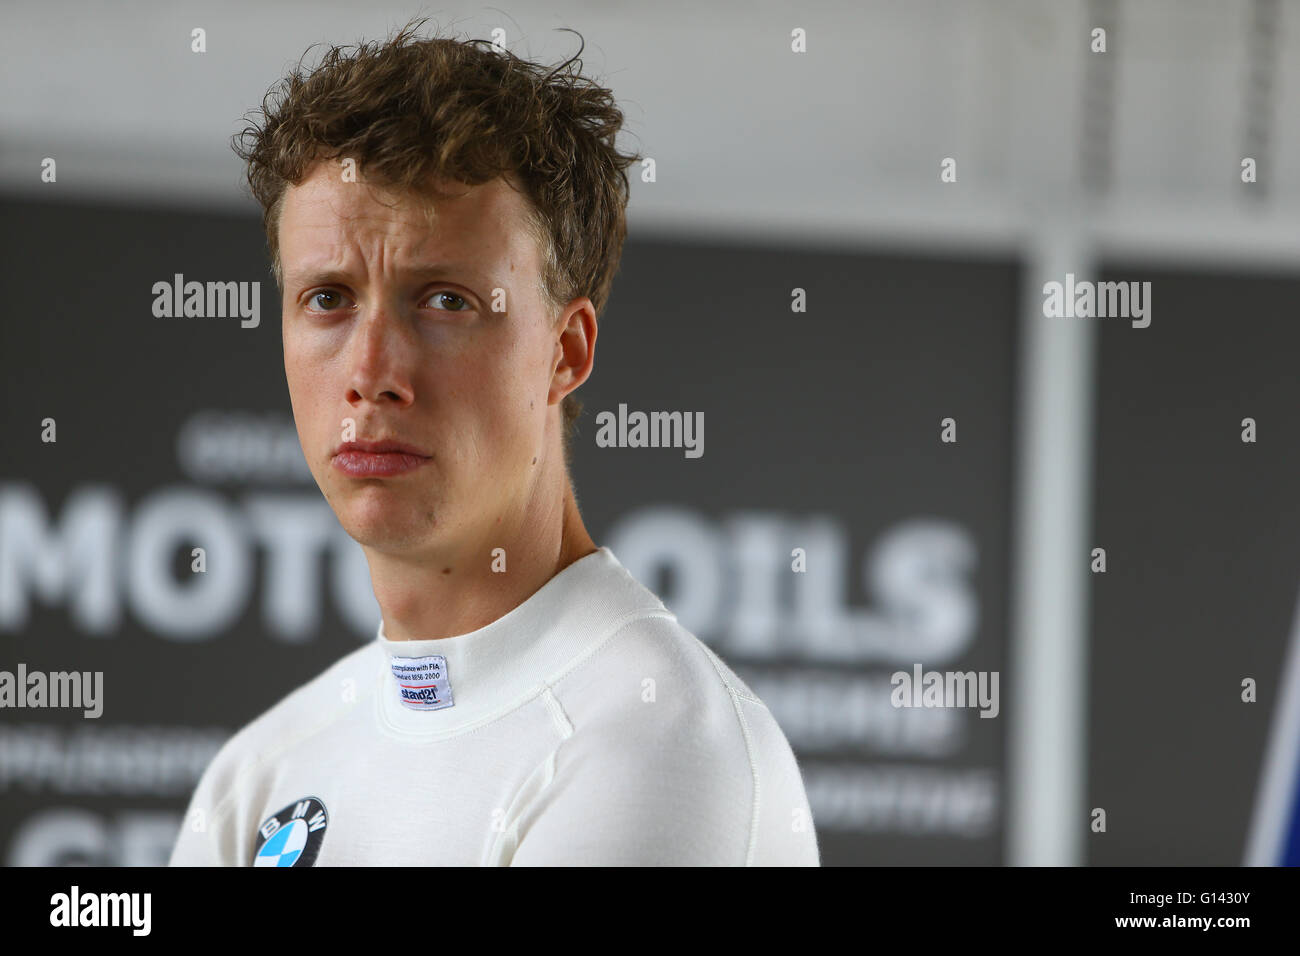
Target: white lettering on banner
{"points": [[853, 712], [64, 836], [96, 556], [919, 574], [236, 446], [94, 760], [731, 581], [903, 800]]}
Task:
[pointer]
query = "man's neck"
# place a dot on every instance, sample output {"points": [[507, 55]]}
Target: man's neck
{"points": [[423, 600]]}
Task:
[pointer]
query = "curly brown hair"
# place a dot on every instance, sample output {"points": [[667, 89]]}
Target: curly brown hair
{"points": [[413, 111]]}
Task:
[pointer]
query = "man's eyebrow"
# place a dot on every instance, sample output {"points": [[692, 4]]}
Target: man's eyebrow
{"points": [[332, 276]]}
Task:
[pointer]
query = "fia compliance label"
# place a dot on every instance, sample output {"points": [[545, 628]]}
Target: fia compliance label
{"points": [[422, 682]]}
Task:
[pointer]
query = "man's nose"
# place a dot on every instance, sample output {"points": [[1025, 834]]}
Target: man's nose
{"points": [[380, 359]]}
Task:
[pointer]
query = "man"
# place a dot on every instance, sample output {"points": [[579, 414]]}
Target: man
{"points": [[445, 221]]}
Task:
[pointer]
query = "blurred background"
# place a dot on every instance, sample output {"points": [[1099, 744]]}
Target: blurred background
{"points": [[1100, 510]]}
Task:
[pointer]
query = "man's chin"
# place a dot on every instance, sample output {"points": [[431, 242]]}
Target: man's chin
{"points": [[387, 526]]}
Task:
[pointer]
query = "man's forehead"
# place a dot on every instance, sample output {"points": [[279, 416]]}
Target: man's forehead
{"points": [[329, 185], [325, 198], [325, 212]]}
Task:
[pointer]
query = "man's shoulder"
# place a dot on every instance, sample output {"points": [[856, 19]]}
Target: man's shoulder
{"points": [[653, 678], [331, 692], [308, 709], [659, 642], [667, 744]]}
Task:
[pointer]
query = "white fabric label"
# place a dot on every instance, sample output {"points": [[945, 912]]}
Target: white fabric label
{"points": [[422, 682]]}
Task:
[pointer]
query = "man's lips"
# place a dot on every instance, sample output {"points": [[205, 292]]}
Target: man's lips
{"points": [[377, 459], [382, 447]]}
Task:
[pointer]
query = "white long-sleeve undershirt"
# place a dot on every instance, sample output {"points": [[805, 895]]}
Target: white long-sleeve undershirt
{"points": [[584, 727]]}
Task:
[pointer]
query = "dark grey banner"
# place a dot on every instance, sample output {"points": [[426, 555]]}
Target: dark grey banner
{"points": [[842, 517]]}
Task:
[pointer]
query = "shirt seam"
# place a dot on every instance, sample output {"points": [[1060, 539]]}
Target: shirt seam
{"points": [[735, 696], [560, 719], [564, 728]]}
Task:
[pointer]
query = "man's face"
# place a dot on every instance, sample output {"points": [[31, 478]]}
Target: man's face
{"points": [[388, 321]]}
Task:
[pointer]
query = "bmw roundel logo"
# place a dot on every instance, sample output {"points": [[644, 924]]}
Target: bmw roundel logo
{"points": [[293, 836]]}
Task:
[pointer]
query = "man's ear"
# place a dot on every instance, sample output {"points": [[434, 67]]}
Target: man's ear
{"points": [[575, 348]]}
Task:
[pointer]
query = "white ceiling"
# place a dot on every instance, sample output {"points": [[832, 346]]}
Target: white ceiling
{"points": [[842, 143]]}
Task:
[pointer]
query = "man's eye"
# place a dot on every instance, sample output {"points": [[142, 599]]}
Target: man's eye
{"points": [[316, 298], [450, 295]]}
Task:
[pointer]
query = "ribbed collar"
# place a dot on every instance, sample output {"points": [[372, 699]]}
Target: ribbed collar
{"points": [[502, 664]]}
